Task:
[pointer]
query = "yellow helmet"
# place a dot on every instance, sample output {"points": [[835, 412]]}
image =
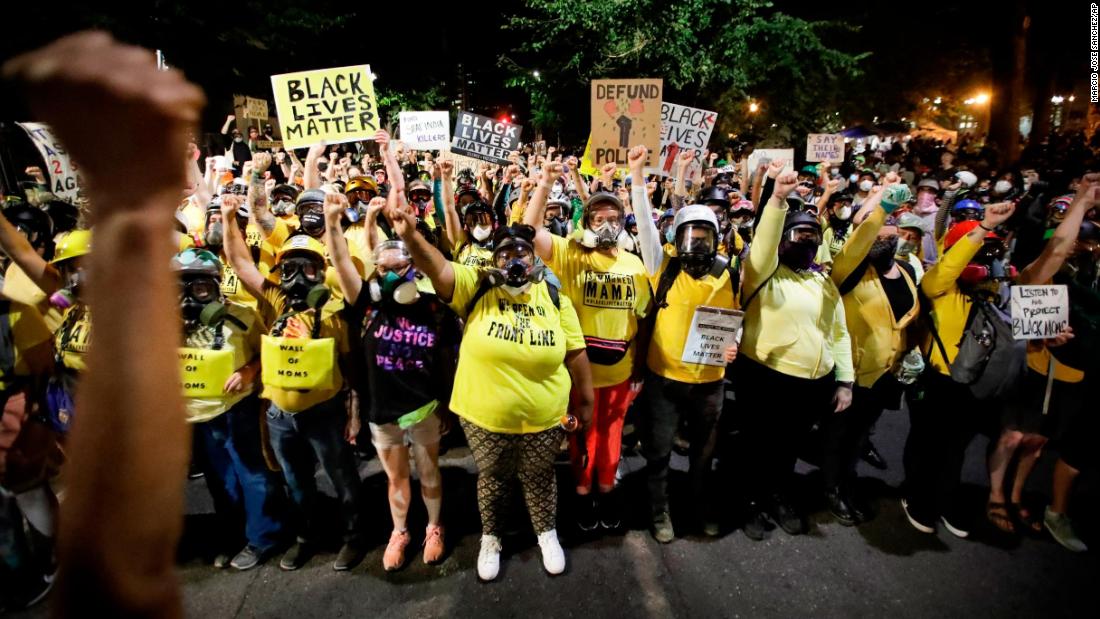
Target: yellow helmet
{"points": [[75, 244], [362, 183], [301, 242]]}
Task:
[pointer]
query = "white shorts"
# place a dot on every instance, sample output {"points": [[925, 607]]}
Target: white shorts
{"points": [[391, 435]]}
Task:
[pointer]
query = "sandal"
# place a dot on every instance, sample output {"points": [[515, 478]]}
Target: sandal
{"points": [[997, 514], [1024, 517]]}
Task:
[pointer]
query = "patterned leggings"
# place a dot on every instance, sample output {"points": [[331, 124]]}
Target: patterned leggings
{"points": [[500, 458]]}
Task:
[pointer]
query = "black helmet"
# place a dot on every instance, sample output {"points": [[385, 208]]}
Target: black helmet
{"points": [[800, 219], [65, 216], [309, 196], [33, 221], [289, 191], [713, 195]]}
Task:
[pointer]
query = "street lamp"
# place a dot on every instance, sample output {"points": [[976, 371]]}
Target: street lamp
{"points": [[754, 108], [982, 98]]}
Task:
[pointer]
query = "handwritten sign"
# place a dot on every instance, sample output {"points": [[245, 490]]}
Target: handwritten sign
{"points": [[766, 155], [205, 372], [1039, 312], [825, 147], [255, 108], [426, 130], [330, 105], [64, 182], [625, 113], [461, 162], [683, 129], [485, 138], [296, 363], [713, 330]]}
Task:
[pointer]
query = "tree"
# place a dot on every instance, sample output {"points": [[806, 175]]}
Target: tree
{"points": [[710, 53]]}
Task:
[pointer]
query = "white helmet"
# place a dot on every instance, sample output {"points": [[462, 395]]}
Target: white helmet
{"points": [[695, 213]]}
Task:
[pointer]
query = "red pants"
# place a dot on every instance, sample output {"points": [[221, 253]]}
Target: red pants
{"points": [[604, 437]]}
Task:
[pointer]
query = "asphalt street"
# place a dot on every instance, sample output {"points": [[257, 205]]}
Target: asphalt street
{"points": [[882, 568]]}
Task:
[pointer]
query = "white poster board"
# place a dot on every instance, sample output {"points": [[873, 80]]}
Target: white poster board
{"points": [[766, 155], [1039, 312], [713, 330], [59, 167], [426, 130], [683, 128]]}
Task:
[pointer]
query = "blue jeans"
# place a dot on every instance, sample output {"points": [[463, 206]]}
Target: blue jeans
{"points": [[302, 441], [228, 450]]}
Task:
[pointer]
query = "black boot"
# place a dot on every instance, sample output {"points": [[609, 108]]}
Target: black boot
{"points": [[757, 525], [840, 508], [873, 457], [787, 516], [587, 519], [609, 510]]}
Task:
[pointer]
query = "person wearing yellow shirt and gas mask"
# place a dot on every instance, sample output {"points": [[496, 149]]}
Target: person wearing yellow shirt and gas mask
{"points": [[302, 355], [220, 361], [609, 287], [692, 282]]}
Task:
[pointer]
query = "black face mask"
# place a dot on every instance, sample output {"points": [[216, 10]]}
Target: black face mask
{"points": [[882, 251], [557, 226], [191, 310], [313, 223], [797, 256], [296, 289]]}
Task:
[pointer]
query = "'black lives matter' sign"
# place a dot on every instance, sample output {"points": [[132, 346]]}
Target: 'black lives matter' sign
{"points": [[326, 105], [485, 138]]}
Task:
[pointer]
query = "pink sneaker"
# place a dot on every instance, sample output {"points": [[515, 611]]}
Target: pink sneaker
{"points": [[394, 556], [433, 544]]}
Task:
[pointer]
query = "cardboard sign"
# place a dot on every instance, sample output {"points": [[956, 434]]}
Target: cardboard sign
{"points": [[1039, 312], [60, 169], [326, 105], [426, 130], [204, 372], [625, 113], [827, 147], [683, 129], [255, 108], [461, 162], [485, 138], [297, 363], [269, 144], [767, 155], [713, 330]]}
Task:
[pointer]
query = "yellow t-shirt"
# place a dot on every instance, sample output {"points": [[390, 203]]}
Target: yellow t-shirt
{"points": [[72, 337], [244, 345], [19, 288], [265, 250], [273, 305], [610, 295], [670, 332], [195, 217], [511, 375], [27, 331], [1039, 361], [474, 255]]}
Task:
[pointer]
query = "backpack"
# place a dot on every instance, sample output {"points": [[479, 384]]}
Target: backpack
{"points": [[990, 361]]}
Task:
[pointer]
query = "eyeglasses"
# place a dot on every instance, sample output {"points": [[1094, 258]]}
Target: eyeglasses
{"points": [[291, 267], [201, 290]]}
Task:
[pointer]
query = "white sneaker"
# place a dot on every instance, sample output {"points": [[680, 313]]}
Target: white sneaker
{"points": [[488, 559], [553, 557]]}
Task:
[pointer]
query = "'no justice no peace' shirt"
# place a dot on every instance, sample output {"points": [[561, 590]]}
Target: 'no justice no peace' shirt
{"points": [[511, 376]]}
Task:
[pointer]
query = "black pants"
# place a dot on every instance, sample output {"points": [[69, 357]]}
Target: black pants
{"points": [[844, 434], [666, 401], [943, 418], [776, 412]]}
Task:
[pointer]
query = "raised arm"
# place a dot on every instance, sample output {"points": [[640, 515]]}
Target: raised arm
{"points": [[312, 173], [102, 97], [764, 256], [240, 258], [16, 246], [456, 236], [1058, 248], [425, 256], [649, 238], [350, 281], [536, 209]]}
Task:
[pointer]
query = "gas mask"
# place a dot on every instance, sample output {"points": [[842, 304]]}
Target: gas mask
{"points": [[515, 270], [421, 204], [905, 248], [282, 208], [401, 288], [605, 235], [298, 275], [214, 236], [989, 267], [557, 226], [196, 294], [354, 213], [697, 249], [798, 248], [313, 222]]}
